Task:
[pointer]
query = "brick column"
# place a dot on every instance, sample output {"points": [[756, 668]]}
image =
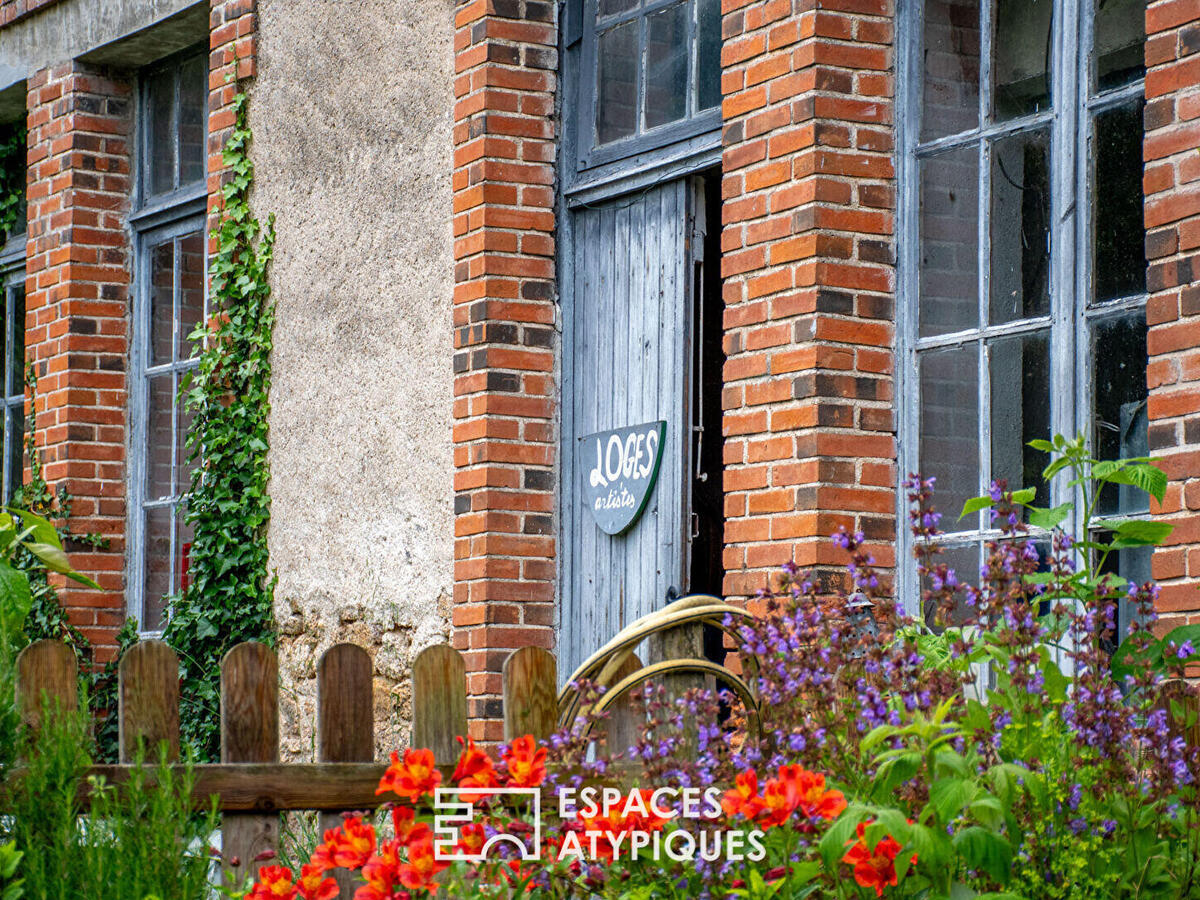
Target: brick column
{"points": [[77, 295], [232, 58], [1172, 186], [504, 314], [807, 258]]}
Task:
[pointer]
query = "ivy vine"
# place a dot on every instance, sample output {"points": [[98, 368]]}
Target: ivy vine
{"points": [[230, 591], [12, 178]]}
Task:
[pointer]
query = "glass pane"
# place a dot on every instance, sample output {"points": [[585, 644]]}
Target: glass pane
{"points": [[666, 65], [949, 242], [1021, 57], [159, 437], [1134, 566], [160, 107], [193, 105], [183, 470], [7, 294], [1119, 414], [951, 102], [1020, 227], [16, 360], [15, 464], [162, 302], [1019, 372], [191, 290], [950, 428], [1119, 242], [612, 7], [708, 54], [183, 549], [1119, 39], [964, 561], [156, 585], [616, 101]]}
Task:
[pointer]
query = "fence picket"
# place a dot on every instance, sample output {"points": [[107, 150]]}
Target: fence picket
{"points": [[47, 668], [249, 734], [345, 723], [439, 698], [148, 701], [530, 701]]}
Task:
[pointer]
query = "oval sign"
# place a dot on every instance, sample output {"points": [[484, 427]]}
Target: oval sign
{"points": [[619, 470]]}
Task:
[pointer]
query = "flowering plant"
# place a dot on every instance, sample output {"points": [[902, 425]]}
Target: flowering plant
{"points": [[1002, 744]]}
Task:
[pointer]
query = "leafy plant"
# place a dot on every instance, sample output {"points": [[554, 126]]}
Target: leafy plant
{"points": [[12, 179], [230, 592]]}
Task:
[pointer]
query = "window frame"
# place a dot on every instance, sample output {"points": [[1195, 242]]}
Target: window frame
{"points": [[1072, 313], [12, 276], [157, 218], [643, 148]]}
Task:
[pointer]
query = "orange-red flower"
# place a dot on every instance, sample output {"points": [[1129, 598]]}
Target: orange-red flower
{"points": [[471, 839], [314, 885], [525, 762], [274, 883], [743, 797], [416, 776], [380, 873], [874, 867], [781, 796], [322, 857], [422, 866], [474, 769], [355, 844], [815, 800]]}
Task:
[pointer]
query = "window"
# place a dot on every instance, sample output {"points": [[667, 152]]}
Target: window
{"points": [[651, 76], [170, 300], [1024, 294], [12, 358]]}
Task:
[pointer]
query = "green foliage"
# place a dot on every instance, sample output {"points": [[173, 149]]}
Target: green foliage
{"points": [[10, 885], [230, 591], [12, 179]]}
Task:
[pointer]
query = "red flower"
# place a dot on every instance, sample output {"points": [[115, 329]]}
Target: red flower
{"points": [[744, 797], [422, 866], [380, 873], [274, 883], [417, 776], [474, 769], [471, 839], [355, 844], [781, 796], [875, 868], [525, 762], [815, 801], [314, 886], [322, 857]]}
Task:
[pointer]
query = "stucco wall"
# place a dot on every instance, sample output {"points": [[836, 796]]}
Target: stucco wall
{"points": [[351, 116]]}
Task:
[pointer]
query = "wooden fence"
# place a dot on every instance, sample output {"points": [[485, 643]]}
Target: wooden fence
{"points": [[251, 785]]}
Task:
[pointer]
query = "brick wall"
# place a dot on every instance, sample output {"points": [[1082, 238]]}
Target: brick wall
{"points": [[77, 294], [12, 10], [233, 58], [807, 255], [1172, 187], [504, 315]]}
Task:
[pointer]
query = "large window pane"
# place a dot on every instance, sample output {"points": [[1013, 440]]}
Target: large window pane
{"points": [[951, 101], [950, 426], [1020, 227], [666, 65], [159, 437], [193, 109], [16, 358], [949, 242], [157, 566], [1119, 246], [1019, 375], [616, 103], [15, 441], [160, 133], [162, 302], [1119, 396], [963, 560], [191, 292], [708, 54], [1120, 36], [1021, 57]]}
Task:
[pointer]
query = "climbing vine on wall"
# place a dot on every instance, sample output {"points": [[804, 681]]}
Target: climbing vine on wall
{"points": [[12, 178], [229, 594]]}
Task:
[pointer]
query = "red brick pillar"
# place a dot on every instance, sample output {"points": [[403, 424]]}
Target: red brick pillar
{"points": [[504, 314], [807, 244], [1172, 186], [233, 58], [77, 298]]}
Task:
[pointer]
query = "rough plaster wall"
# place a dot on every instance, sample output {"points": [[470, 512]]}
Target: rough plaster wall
{"points": [[351, 114]]}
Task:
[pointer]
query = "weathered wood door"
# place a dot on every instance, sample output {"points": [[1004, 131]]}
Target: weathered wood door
{"points": [[627, 337]]}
